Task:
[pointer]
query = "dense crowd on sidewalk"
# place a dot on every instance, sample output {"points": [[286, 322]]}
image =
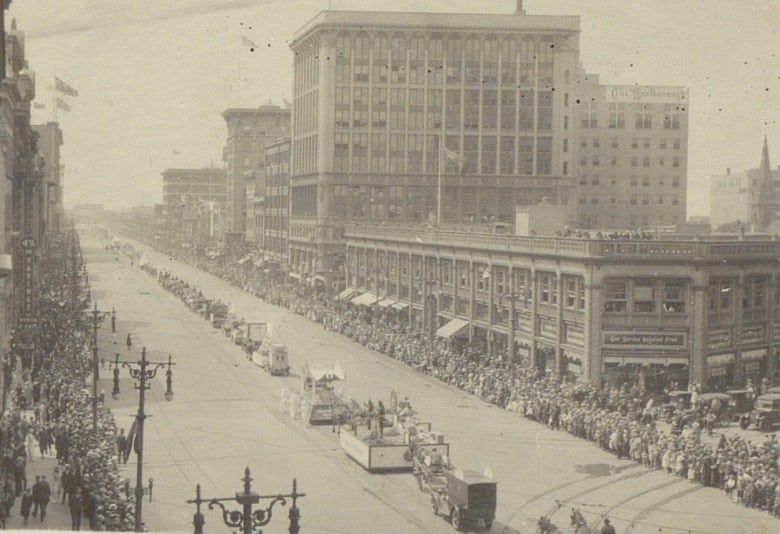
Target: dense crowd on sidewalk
{"points": [[48, 413], [620, 420]]}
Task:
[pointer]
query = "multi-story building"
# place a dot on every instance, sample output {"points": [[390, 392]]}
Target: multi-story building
{"points": [[276, 224], [732, 194], [49, 143], [632, 154], [398, 117], [249, 131], [704, 309], [206, 185]]}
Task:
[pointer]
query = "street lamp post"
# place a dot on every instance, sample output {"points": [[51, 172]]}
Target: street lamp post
{"points": [[248, 520], [97, 318], [143, 371]]}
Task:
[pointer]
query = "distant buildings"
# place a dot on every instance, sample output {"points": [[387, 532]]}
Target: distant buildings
{"points": [[632, 146], [49, 143], [276, 221], [498, 104], [206, 185], [733, 194], [249, 131]]}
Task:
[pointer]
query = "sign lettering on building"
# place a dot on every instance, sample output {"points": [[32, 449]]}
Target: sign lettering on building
{"points": [[752, 334], [649, 340], [646, 93], [717, 339], [575, 335], [548, 328]]}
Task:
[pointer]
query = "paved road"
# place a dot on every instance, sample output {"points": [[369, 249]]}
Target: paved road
{"points": [[226, 416]]}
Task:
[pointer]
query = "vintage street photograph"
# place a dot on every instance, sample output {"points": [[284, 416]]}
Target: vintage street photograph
{"points": [[412, 267]]}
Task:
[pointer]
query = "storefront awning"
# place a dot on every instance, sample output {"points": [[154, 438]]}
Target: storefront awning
{"points": [[452, 328], [751, 355], [366, 299], [346, 294], [386, 303], [400, 305], [622, 360]]}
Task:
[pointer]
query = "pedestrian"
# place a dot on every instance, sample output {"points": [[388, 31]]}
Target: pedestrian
{"points": [[36, 496], [74, 504], [607, 528], [27, 501], [380, 418], [129, 342], [121, 444], [44, 494]]}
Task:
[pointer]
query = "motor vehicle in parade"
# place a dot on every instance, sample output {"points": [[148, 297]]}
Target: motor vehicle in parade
{"points": [[765, 414]]}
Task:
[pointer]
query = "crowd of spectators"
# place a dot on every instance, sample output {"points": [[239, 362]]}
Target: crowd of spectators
{"points": [[620, 420], [48, 413]]}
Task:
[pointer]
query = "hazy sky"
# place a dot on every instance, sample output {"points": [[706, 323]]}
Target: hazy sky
{"points": [[154, 76]]}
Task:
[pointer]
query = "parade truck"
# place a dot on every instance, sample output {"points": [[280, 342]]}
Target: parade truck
{"points": [[218, 313], [273, 359], [391, 451], [324, 405], [467, 498]]}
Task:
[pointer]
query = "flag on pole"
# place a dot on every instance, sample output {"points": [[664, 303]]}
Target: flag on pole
{"points": [[453, 157], [64, 88], [38, 105], [61, 104], [247, 42]]}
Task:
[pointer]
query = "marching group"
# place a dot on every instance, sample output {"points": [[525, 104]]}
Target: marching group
{"points": [[620, 420], [49, 409]]}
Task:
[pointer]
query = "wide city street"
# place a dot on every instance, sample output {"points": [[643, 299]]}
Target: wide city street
{"points": [[226, 416]]}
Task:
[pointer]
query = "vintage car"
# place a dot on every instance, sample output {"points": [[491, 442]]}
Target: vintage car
{"points": [[467, 498], [741, 402], [677, 401], [765, 414], [718, 403]]}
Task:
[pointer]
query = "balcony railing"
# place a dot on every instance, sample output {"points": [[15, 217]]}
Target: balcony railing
{"points": [[705, 248]]}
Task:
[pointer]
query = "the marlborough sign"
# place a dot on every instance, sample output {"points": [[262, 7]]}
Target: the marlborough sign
{"points": [[646, 93]]}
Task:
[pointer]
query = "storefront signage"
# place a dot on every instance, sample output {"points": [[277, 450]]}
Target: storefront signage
{"points": [[755, 354], [720, 359], [646, 93], [548, 329], [752, 334], [718, 371], [575, 335], [575, 368], [717, 339], [752, 368], [657, 340]]}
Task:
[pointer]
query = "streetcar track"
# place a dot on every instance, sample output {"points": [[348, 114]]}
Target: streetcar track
{"points": [[653, 507], [630, 498]]}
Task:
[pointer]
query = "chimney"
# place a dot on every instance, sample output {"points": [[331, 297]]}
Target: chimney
{"points": [[520, 10]]}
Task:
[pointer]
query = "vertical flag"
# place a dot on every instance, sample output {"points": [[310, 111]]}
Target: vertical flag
{"points": [[453, 157], [64, 88]]}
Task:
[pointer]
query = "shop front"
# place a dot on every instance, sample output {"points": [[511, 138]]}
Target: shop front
{"points": [[652, 361], [720, 371], [545, 357], [572, 362], [753, 364]]}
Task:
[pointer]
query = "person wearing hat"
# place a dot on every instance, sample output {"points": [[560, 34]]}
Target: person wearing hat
{"points": [[74, 503], [26, 506], [607, 528]]}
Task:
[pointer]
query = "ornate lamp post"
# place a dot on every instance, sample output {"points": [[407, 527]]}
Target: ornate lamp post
{"points": [[143, 371], [97, 318], [248, 520]]}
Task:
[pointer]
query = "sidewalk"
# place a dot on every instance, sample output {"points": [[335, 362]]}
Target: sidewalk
{"points": [[57, 513]]}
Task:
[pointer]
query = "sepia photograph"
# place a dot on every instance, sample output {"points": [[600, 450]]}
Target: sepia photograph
{"points": [[351, 267]]}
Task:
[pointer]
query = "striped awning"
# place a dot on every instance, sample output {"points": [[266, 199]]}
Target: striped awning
{"points": [[452, 328]]}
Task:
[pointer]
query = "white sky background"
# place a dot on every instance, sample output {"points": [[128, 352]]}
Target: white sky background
{"points": [[155, 75]]}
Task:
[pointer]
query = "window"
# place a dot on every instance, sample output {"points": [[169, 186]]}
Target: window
{"points": [[590, 116], [644, 296], [662, 144], [671, 117], [644, 120], [464, 280], [754, 293], [645, 162], [617, 115], [634, 161], [616, 297], [675, 162], [674, 297], [635, 143], [634, 180], [483, 277], [571, 292], [548, 288], [614, 142], [446, 272], [721, 295]]}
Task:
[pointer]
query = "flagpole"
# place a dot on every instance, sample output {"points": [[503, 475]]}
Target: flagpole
{"points": [[438, 187], [238, 84]]}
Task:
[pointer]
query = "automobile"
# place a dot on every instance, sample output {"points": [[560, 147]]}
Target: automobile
{"points": [[465, 497], [676, 401], [765, 414], [725, 413], [773, 389], [741, 402]]}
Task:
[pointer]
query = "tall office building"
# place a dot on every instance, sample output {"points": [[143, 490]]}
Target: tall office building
{"points": [[205, 185], [632, 146], [249, 131], [381, 99], [49, 143], [276, 223]]}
